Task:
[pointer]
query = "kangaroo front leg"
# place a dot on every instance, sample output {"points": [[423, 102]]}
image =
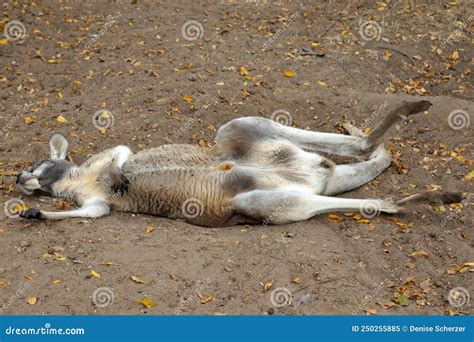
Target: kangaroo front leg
{"points": [[91, 209]]}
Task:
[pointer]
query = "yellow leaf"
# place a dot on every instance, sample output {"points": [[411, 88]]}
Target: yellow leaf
{"points": [[323, 84], [455, 55], [469, 176], [147, 302], [335, 218], [288, 73], [3, 283], [314, 44], [53, 61], [107, 262], [57, 281], [28, 120], [149, 229], [419, 254], [3, 42], [245, 93], [371, 311], [202, 143], [95, 274], [32, 300], [243, 71], [267, 286], [297, 280], [387, 54], [36, 31], [61, 119], [207, 299], [77, 82], [367, 130], [137, 280], [413, 186], [59, 257], [60, 95], [470, 264], [188, 98]]}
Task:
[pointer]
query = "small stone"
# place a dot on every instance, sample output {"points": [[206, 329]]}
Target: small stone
{"points": [[192, 78], [271, 311]]}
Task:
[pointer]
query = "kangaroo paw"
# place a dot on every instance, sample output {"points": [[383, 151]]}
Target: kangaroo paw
{"points": [[120, 183], [31, 213]]}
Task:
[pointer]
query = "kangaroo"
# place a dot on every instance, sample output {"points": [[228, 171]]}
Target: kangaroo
{"points": [[258, 171]]}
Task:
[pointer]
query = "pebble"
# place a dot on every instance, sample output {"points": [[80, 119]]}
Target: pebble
{"points": [[192, 78]]}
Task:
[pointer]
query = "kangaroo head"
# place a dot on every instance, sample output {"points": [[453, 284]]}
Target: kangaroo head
{"points": [[43, 174]]}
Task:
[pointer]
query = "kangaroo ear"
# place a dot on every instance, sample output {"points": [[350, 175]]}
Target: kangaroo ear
{"points": [[58, 146]]}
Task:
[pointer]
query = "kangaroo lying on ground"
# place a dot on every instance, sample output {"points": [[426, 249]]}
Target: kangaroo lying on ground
{"points": [[259, 171]]}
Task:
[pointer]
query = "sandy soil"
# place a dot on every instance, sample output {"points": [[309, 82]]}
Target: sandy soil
{"points": [[131, 58]]}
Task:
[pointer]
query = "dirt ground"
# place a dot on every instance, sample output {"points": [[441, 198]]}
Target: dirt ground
{"points": [[310, 59]]}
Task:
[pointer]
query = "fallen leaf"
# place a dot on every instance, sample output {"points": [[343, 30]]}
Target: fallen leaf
{"points": [[149, 229], [371, 311], [107, 262], [95, 274], [402, 300], [268, 285], [61, 119], [32, 300], [147, 302], [3, 42], [387, 54], [188, 98], [323, 84], [3, 283], [469, 176], [207, 299], [243, 71], [28, 120], [420, 253], [288, 73], [137, 280], [297, 280], [455, 56], [335, 218], [57, 281]]}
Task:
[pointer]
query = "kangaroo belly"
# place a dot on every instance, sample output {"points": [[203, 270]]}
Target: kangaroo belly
{"points": [[195, 195]]}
